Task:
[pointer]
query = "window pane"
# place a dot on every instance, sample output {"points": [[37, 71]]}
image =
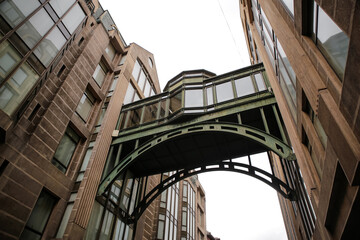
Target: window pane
{"points": [[290, 5], [260, 82], [85, 105], [334, 41], [244, 86], [129, 94], [34, 29], [175, 102], [65, 220], [61, 6], [160, 233], [99, 74], [142, 80], [150, 112], [64, 152], [122, 60], [136, 70], [9, 57], [194, 98], [14, 11], [110, 50], [224, 92], [50, 46], [147, 88], [107, 225], [41, 213], [73, 18], [210, 97], [13, 92]]}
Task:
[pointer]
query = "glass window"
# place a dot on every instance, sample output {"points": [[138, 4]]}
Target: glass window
{"points": [[150, 112], [194, 98], [73, 18], [39, 216], [123, 59], [129, 94], [110, 50], [142, 80], [210, 97], [99, 74], [135, 116], [244, 86], [136, 70], [289, 5], [332, 41], [14, 11], [65, 220], [175, 103], [50, 46], [9, 58], [94, 222], [224, 92], [34, 29], [13, 92], [61, 6], [85, 105], [147, 88], [260, 82], [65, 150]]}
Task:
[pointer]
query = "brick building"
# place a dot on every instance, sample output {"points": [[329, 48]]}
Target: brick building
{"points": [[65, 73], [310, 51]]}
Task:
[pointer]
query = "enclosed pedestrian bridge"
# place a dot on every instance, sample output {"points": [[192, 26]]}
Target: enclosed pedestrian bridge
{"points": [[200, 123]]}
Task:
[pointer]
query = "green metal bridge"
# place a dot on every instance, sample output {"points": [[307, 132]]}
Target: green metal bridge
{"points": [[201, 123]]}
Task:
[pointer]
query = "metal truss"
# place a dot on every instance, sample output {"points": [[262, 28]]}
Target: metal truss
{"points": [[268, 141], [229, 166]]}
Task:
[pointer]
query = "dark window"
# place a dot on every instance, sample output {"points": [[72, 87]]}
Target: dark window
{"points": [[39, 217], [65, 150]]}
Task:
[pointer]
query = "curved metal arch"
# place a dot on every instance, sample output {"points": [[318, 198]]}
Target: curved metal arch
{"points": [[261, 137], [230, 166]]}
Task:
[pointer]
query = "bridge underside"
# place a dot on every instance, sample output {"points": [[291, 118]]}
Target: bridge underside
{"points": [[193, 150]]}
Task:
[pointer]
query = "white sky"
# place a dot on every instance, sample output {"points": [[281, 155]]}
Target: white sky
{"points": [[193, 34]]}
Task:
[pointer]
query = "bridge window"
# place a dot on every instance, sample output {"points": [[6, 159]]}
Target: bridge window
{"points": [[150, 112], [194, 98], [244, 86], [260, 82], [134, 118], [224, 92], [209, 95], [175, 102]]}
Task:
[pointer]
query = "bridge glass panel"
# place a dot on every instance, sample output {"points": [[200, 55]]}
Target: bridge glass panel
{"points": [[244, 86], [210, 97], [260, 82], [224, 92], [150, 112], [194, 98], [175, 102], [134, 118]]}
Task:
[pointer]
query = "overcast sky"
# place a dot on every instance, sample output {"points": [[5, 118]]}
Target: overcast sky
{"points": [[194, 34]]}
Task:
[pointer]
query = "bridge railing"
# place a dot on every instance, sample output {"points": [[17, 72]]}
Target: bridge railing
{"points": [[193, 98]]}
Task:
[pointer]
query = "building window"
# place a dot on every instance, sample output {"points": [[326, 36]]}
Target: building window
{"points": [[39, 217], [289, 6], [85, 106], [65, 150], [188, 212], [99, 74], [143, 80], [122, 60], [110, 50], [331, 40], [66, 216]]}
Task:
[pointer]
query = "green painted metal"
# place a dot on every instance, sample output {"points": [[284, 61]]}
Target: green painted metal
{"points": [[238, 106], [268, 141]]}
